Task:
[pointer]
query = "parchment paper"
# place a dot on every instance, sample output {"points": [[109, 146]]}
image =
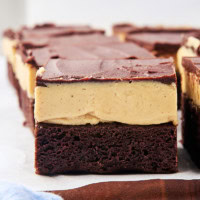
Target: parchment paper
{"points": [[17, 152]]}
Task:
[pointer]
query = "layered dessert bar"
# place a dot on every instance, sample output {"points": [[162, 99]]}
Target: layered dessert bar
{"points": [[123, 29], [30, 48], [191, 106], [102, 116], [190, 48], [161, 41], [22, 74]]}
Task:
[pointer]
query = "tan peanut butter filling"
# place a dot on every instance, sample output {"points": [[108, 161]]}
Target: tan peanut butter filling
{"points": [[25, 73], [188, 50], [121, 36], [192, 87], [139, 102], [9, 51]]}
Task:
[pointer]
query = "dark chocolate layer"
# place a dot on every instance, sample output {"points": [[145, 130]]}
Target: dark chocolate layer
{"points": [[50, 30], [9, 33], [164, 42], [192, 64], [190, 128], [141, 190], [82, 48], [128, 28], [58, 70], [105, 148]]}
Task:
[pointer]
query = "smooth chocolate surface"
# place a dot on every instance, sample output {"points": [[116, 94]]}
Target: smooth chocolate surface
{"points": [[59, 70], [50, 30], [161, 41], [105, 148], [132, 28], [74, 39], [82, 48], [155, 189]]}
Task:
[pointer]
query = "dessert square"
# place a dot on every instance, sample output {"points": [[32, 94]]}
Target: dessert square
{"points": [[30, 48], [161, 41], [191, 106], [102, 116]]}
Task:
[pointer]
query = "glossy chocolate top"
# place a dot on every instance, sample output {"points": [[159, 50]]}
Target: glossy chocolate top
{"points": [[132, 28], [62, 70], [88, 47], [168, 42], [50, 30], [192, 64]]}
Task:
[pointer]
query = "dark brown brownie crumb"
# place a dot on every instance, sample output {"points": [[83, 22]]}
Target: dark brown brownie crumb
{"points": [[105, 148], [190, 128]]}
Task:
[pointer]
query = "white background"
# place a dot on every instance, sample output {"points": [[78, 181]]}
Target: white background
{"points": [[101, 13]]}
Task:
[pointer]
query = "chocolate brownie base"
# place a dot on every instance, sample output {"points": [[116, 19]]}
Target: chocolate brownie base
{"points": [[26, 104], [105, 148], [190, 128]]}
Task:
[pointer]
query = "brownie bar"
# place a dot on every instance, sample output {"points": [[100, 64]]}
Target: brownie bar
{"points": [[49, 30], [93, 135], [26, 104], [191, 107], [161, 41], [37, 45], [190, 128], [38, 37], [161, 44], [105, 148]]}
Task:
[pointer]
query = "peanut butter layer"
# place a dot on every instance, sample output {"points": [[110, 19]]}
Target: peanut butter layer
{"points": [[9, 49], [29, 56], [17, 46], [81, 92], [191, 72], [189, 49]]}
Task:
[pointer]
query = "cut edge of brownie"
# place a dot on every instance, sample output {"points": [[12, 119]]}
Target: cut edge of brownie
{"points": [[26, 104], [105, 148], [190, 128]]}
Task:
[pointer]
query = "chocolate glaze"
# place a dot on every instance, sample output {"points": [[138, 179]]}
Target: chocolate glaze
{"points": [[124, 28], [165, 42], [158, 38], [94, 38], [129, 190], [81, 48], [132, 28], [192, 64], [9, 33], [50, 30], [62, 70]]}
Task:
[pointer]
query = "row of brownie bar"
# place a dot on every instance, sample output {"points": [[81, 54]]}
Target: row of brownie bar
{"points": [[184, 48], [94, 103]]}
